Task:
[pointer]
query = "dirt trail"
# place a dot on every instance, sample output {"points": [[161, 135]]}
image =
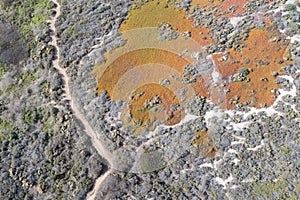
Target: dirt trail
{"points": [[97, 144], [92, 195]]}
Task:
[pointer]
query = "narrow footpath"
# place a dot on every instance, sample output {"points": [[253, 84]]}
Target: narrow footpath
{"points": [[97, 144]]}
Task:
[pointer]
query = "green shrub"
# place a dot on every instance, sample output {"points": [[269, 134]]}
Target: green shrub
{"points": [[3, 68], [290, 7], [244, 71]]}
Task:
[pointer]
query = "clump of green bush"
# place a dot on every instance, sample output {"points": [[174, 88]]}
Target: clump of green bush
{"points": [[290, 7], [244, 71]]}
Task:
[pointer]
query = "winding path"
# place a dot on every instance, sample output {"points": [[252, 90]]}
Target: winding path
{"points": [[97, 144]]}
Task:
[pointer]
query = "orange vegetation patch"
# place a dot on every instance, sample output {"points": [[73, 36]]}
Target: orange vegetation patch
{"points": [[226, 63], [153, 13], [154, 102], [203, 87], [199, 87], [263, 54], [133, 59], [205, 141], [202, 3], [129, 57], [223, 6]]}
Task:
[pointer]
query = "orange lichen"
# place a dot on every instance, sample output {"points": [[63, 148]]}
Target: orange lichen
{"points": [[263, 54], [144, 111], [206, 144], [153, 13]]}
